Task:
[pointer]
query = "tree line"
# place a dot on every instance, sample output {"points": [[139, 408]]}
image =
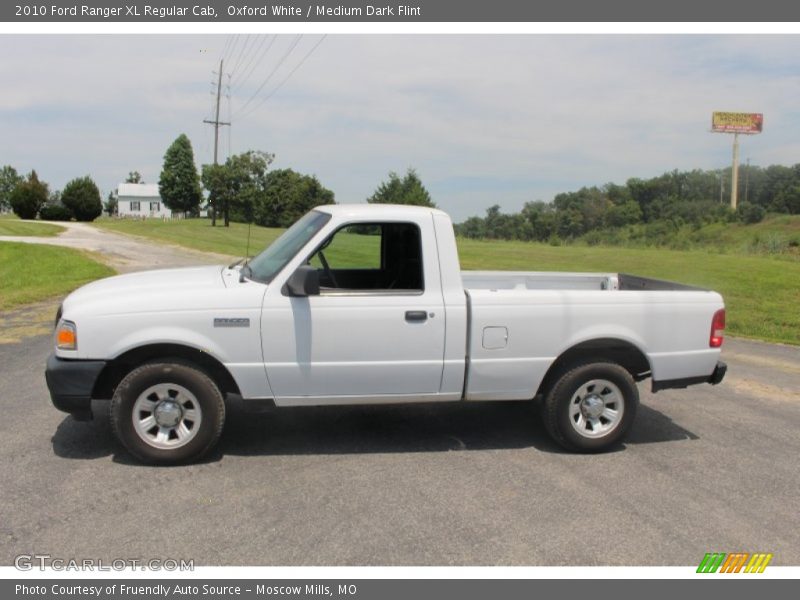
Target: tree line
{"points": [[30, 197], [652, 208], [240, 189], [244, 189]]}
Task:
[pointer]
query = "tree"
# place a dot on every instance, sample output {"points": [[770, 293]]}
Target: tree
{"points": [[248, 181], [219, 181], [287, 196], [134, 177], [82, 197], [406, 190], [9, 179], [542, 218], [110, 205], [179, 184], [473, 227], [622, 214], [28, 197], [245, 188], [236, 185]]}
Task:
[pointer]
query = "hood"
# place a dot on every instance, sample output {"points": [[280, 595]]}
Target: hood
{"points": [[145, 288]]}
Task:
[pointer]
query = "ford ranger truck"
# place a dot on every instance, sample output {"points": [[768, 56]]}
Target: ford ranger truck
{"points": [[367, 304]]}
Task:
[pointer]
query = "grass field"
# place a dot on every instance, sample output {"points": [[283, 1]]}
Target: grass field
{"points": [[13, 226], [32, 272], [777, 234], [196, 233], [762, 293]]}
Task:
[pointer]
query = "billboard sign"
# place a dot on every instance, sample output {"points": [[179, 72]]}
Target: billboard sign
{"points": [[733, 122]]}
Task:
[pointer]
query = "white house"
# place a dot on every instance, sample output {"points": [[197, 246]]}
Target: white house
{"points": [[140, 200]]}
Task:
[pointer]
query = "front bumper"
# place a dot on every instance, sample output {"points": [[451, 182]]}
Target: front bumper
{"points": [[71, 382], [717, 376]]}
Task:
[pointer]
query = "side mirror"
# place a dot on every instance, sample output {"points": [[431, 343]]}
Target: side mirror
{"points": [[303, 282]]}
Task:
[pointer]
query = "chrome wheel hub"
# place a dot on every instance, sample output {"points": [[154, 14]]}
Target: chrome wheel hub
{"points": [[596, 408], [592, 406], [166, 416], [167, 413]]}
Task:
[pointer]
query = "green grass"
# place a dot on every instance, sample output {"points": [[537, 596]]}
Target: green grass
{"points": [[762, 293], [776, 234], [32, 272], [13, 226], [196, 233]]}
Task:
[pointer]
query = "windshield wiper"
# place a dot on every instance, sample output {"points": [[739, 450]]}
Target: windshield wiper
{"points": [[236, 264]]}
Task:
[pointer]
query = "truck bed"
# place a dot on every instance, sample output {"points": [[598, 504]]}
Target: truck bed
{"points": [[547, 280], [519, 322]]}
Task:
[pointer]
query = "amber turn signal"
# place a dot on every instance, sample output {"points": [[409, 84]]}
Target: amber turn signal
{"points": [[66, 336]]}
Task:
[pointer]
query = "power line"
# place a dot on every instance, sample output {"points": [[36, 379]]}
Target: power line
{"points": [[234, 43], [228, 40], [253, 63], [280, 85], [241, 53], [286, 54]]}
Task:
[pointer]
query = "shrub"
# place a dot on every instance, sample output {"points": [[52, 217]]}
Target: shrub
{"points": [[55, 212], [82, 197], [749, 213]]}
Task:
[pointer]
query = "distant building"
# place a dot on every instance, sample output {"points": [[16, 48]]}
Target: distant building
{"points": [[141, 200]]}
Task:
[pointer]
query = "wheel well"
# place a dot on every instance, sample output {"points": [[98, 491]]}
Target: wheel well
{"points": [[621, 352], [116, 369]]}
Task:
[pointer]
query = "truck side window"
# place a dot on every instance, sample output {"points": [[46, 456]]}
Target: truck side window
{"points": [[371, 257]]}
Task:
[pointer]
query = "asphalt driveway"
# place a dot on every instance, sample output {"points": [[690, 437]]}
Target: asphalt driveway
{"points": [[709, 468]]}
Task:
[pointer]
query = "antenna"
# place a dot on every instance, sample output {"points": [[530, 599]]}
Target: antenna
{"points": [[247, 250]]}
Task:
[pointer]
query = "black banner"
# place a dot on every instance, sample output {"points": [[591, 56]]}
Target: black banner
{"points": [[415, 11], [392, 589]]}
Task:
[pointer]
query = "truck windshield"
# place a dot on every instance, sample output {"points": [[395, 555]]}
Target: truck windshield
{"points": [[269, 263]]}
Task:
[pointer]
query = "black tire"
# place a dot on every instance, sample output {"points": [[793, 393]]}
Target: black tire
{"points": [[210, 406], [569, 394]]}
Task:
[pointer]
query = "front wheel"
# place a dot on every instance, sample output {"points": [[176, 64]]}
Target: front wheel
{"points": [[167, 413], [591, 406]]}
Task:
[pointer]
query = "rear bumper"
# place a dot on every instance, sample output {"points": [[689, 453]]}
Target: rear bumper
{"points": [[715, 377], [71, 382]]}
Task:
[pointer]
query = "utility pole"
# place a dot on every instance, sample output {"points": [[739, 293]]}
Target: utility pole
{"points": [[217, 124]]}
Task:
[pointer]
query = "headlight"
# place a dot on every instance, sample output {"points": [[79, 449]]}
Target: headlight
{"points": [[66, 336]]}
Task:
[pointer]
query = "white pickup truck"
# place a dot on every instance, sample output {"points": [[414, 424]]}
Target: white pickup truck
{"points": [[367, 304]]}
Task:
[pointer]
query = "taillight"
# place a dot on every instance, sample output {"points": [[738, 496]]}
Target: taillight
{"points": [[717, 328]]}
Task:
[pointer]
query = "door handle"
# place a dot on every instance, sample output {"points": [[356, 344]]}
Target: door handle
{"points": [[416, 315]]}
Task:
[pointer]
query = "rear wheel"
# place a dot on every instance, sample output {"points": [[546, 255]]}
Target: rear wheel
{"points": [[591, 406], [167, 413]]}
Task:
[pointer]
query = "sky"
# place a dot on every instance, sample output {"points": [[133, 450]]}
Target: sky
{"points": [[484, 119]]}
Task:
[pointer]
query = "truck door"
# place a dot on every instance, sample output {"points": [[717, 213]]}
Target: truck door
{"points": [[377, 328]]}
